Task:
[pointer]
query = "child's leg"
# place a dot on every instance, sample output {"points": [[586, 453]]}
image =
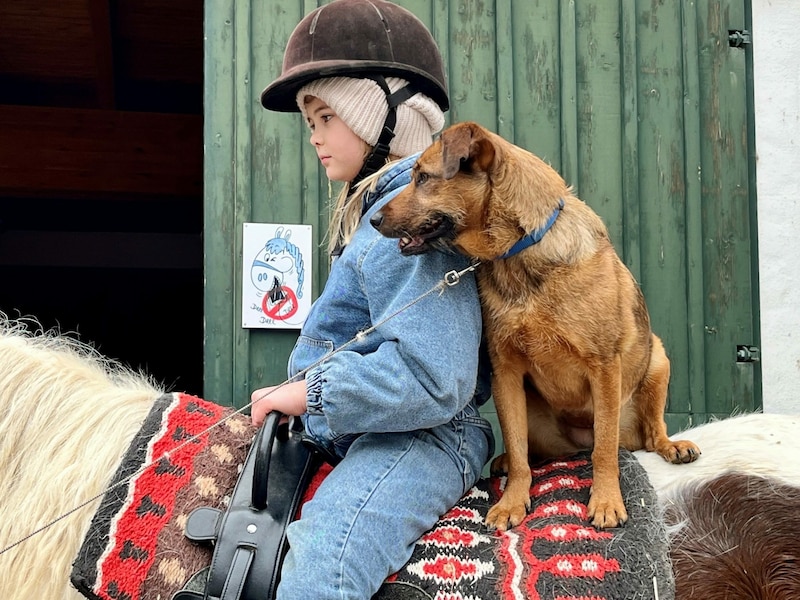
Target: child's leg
{"points": [[364, 519]]}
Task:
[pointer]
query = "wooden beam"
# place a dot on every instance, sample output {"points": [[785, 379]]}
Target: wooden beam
{"points": [[63, 152], [101, 250]]}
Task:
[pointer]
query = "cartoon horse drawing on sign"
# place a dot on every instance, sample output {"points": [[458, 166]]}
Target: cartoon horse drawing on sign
{"points": [[278, 273]]}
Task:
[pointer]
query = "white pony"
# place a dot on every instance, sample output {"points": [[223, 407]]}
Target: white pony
{"points": [[761, 444], [68, 414]]}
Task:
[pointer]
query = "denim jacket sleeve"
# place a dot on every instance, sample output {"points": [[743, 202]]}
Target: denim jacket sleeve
{"points": [[421, 368]]}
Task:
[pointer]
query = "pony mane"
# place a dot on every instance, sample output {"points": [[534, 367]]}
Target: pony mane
{"points": [[68, 412]]}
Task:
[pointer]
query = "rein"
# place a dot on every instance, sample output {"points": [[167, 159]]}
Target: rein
{"points": [[450, 279]]}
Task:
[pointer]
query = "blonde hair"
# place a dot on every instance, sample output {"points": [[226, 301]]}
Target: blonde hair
{"points": [[346, 211]]}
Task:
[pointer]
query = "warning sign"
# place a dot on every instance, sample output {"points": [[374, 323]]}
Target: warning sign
{"points": [[276, 277]]}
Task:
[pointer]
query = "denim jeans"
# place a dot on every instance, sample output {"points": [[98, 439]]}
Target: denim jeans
{"points": [[389, 489]]}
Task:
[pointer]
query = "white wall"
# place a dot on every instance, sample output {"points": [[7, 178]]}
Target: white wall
{"points": [[776, 57]]}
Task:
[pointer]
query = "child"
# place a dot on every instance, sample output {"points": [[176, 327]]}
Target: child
{"points": [[397, 410]]}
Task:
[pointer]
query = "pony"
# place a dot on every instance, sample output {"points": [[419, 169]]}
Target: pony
{"points": [[68, 414]]}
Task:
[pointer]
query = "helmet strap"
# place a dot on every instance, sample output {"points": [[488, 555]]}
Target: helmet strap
{"points": [[380, 152]]}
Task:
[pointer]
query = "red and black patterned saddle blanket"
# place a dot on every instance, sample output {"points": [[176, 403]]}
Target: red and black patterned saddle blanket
{"points": [[135, 548]]}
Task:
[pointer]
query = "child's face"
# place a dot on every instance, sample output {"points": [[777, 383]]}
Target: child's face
{"points": [[341, 151]]}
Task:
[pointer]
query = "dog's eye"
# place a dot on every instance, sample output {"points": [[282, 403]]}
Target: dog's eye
{"points": [[421, 178]]}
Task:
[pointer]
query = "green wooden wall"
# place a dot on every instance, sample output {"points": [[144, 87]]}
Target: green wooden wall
{"points": [[643, 106]]}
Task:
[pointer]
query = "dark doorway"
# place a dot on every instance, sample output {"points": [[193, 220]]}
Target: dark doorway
{"points": [[101, 214]]}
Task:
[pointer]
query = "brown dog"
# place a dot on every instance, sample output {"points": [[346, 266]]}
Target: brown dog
{"points": [[575, 363]]}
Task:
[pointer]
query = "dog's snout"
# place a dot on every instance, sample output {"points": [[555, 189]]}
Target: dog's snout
{"points": [[376, 220]]}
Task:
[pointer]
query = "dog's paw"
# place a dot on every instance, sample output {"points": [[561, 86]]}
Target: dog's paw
{"points": [[507, 514], [606, 513], [679, 452]]}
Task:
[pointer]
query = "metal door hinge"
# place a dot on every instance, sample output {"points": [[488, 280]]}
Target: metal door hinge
{"points": [[737, 38], [748, 354]]}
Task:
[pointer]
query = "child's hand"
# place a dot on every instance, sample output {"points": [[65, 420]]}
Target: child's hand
{"points": [[289, 399]]}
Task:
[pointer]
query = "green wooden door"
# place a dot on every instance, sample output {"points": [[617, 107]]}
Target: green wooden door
{"points": [[642, 106]]}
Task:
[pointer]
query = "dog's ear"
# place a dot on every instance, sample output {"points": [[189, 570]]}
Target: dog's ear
{"points": [[456, 141], [465, 144]]}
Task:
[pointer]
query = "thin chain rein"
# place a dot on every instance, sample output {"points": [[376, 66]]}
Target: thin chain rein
{"points": [[450, 279]]}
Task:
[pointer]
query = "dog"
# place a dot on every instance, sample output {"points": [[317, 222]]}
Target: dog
{"points": [[575, 364]]}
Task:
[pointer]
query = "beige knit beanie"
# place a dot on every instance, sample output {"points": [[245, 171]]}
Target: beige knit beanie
{"points": [[361, 104]]}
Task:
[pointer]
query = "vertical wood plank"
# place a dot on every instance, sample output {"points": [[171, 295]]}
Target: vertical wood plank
{"points": [[504, 67], [695, 363], [755, 285], [440, 29], [629, 67], [241, 71], [218, 241], [537, 79], [568, 53]]}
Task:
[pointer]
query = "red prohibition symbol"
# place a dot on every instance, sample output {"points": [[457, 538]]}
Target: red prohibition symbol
{"points": [[288, 301]]}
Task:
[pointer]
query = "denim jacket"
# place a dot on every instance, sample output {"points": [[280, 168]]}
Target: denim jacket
{"points": [[420, 367]]}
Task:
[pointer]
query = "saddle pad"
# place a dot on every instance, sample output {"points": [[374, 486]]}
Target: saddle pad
{"points": [[135, 548], [554, 554]]}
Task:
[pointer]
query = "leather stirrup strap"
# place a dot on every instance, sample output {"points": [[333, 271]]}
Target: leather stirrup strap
{"points": [[237, 573]]}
